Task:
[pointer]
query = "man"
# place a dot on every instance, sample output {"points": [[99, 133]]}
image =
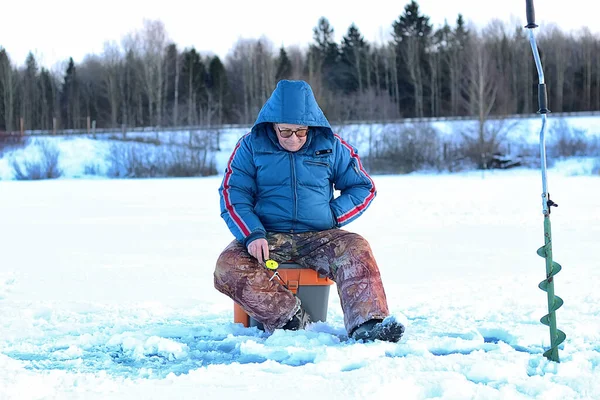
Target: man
{"points": [[277, 198]]}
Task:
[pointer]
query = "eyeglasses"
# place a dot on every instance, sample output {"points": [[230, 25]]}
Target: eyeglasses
{"points": [[286, 133]]}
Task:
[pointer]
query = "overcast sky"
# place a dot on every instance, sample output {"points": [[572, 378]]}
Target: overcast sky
{"points": [[55, 30]]}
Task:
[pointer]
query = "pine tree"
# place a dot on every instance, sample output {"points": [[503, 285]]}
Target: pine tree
{"points": [[133, 106], [193, 85], [354, 58], [324, 55], [7, 92], [170, 92], [70, 98], [439, 76], [48, 99], [30, 97], [284, 66], [456, 59], [412, 34], [218, 86]]}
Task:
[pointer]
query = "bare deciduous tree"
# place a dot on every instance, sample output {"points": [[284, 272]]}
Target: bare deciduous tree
{"points": [[521, 73], [391, 75], [176, 95], [240, 76], [112, 60], [482, 92], [298, 60], [587, 49], [557, 55], [153, 40], [252, 69], [410, 54]]}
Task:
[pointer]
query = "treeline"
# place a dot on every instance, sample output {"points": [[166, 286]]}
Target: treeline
{"points": [[422, 72]]}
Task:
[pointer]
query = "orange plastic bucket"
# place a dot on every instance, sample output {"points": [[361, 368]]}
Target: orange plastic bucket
{"points": [[295, 279]]}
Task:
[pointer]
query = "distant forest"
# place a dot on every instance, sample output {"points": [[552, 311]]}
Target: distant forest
{"points": [[421, 72]]}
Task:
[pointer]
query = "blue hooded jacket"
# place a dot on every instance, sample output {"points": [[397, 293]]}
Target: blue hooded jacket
{"points": [[269, 189]]}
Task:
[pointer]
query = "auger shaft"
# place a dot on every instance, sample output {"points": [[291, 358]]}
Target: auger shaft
{"points": [[552, 268]]}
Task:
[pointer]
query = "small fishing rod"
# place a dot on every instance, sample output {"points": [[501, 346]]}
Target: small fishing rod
{"points": [[552, 268]]}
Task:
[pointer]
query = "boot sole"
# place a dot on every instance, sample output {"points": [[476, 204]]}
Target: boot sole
{"points": [[391, 332]]}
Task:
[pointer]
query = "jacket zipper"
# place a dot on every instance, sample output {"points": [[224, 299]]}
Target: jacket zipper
{"points": [[320, 163], [359, 173], [294, 194]]}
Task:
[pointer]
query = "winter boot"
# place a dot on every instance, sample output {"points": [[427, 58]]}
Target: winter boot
{"points": [[388, 330], [298, 321]]}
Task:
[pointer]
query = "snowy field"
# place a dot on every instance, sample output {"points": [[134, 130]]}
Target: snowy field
{"points": [[106, 293], [517, 136]]}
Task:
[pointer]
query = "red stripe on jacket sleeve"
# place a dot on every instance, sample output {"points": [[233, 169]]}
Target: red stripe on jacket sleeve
{"points": [[226, 195], [360, 207]]}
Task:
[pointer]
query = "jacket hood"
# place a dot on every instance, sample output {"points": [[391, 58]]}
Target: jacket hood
{"points": [[292, 102]]}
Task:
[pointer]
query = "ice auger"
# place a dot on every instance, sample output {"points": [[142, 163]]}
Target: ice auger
{"points": [[552, 268]]}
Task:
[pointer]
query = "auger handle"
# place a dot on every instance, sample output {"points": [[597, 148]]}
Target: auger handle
{"points": [[530, 15], [542, 99], [542, 92]]}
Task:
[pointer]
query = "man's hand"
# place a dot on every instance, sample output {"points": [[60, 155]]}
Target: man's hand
{"points": [[259, 249]]}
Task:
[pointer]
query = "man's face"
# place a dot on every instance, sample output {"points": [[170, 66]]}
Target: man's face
{"points": [[291, 136]]}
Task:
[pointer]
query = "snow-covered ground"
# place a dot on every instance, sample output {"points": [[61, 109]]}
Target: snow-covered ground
{"points": [[106, 292]]}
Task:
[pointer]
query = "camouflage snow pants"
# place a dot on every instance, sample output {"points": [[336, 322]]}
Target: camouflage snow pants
{"points": [[344, 257]]}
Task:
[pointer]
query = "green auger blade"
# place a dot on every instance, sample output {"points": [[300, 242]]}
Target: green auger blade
{"points": [[552, 352], [554, 302]]}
